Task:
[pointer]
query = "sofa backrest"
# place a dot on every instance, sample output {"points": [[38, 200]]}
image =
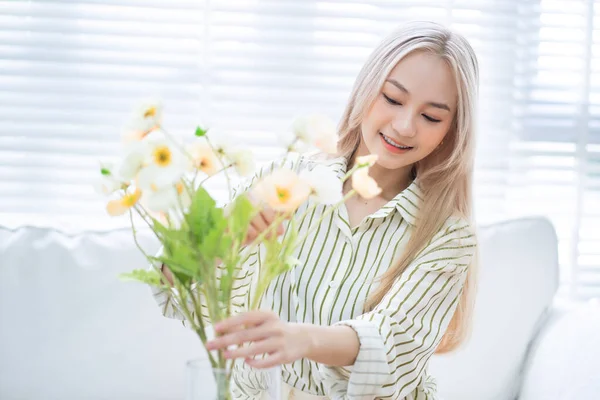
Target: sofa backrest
{"points": [[518, 279], [70, 329]]}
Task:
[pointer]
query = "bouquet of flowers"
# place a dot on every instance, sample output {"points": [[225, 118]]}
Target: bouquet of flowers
{"points": [[162, 182]]}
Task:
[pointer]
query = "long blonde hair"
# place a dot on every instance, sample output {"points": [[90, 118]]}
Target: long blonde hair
{"points": [[445, 176]]}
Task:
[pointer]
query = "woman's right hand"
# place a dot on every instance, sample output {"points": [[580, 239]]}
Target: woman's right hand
{"points": [[261, 223]]}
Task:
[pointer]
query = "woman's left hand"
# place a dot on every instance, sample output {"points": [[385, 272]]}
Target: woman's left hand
{"points": [[281, 341]]}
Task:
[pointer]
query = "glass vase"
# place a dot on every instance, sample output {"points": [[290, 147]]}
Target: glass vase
{"points": [[207, 383]]}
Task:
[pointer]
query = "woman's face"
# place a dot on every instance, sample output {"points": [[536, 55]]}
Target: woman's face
{"points": [[412, 113]]}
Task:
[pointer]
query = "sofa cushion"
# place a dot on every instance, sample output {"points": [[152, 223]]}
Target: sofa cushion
{"points": [[70, 329], [517, 281], [565, 361]]}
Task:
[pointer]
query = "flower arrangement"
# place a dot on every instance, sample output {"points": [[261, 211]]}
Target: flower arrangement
{"points": [[161, 181]]}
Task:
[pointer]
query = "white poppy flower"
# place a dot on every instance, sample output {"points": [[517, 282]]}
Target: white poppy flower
{"points": [[243, 161], [366, 161], [146, 117], [316, 130], [203, 158], [164, 165], [108, 182], [325, 185], [283, 190], [132, 162], [124, 203], [364, 185], [166, 199]]}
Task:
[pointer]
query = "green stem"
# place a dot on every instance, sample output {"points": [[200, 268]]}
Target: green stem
{"points": [[202, 331], [134, 231], [216, 173], [270, 228], [183, 305]]}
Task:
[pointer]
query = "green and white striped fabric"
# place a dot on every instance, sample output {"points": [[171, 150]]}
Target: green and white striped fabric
{"points": [[337, 270]]}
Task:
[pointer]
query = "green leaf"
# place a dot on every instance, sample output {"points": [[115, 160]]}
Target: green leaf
{"points": [[200, 131], [105, 171], [179, 253], [202, 215], [241, 213], [147, 276]]}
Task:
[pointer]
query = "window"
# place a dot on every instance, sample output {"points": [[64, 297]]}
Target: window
{"points": [[71, 71]]}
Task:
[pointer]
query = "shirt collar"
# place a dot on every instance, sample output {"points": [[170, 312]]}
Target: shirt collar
{"points": [[406, 202]]}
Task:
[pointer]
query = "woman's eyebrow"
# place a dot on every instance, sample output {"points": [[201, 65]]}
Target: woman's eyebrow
{"points": [[400, 86]]}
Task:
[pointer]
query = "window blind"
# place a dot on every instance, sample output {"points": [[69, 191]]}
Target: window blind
{"points": [[71, 71]]}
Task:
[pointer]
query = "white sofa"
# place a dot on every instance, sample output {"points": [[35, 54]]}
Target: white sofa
{"points": [[70, 330]]}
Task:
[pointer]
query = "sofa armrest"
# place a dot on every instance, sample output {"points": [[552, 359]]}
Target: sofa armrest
{"points": [[564, 360]]}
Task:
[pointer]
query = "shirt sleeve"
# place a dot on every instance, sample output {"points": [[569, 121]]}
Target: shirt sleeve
{"points": [[164, 297], [398, 337]]}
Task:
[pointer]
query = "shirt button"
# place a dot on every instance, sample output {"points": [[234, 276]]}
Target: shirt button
{"points": [[333, 284]]}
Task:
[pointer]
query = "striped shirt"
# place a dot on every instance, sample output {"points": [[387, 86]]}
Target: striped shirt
{"points": [[337, 271]]}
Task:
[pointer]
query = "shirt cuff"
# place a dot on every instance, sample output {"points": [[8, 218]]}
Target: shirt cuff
{"points": [[365, 379]]}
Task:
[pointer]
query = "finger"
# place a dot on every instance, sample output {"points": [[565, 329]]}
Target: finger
{"points": [[259, 223], [250, 235], [247, 319], [267, 217], [268, 362], [239, 337], [262, 347]]}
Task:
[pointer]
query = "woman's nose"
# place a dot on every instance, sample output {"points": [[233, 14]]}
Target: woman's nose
{"points": [[404, 125]]}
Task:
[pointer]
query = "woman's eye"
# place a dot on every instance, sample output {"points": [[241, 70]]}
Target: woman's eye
{"points": [[391, 101], [430, 119]]}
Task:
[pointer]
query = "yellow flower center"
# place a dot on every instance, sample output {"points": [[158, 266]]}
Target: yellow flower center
{"points": [[162, 156], [204, 164], [179, 187], [130, 199], [150, 112], [283, 194]]}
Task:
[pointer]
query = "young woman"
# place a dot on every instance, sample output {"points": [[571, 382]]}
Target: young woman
{"points": [[383, 283]]}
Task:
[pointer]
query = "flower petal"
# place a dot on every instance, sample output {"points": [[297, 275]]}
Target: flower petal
{"points": [[282, 190], [364, 185], [366, 161], [326, 186], [160, 200], [243, 161]]}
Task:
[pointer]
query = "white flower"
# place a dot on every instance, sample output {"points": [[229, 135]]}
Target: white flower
{"points": [[243, 161], [327, 143], [366, 161], [164, 165], [108, 182], [290, 142], [325, 184], [166, 199], [364, 185], [220, 141], [146, 117], [124, 203], [283, 190], [203, 158], [132, 162], [316, 130]]}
